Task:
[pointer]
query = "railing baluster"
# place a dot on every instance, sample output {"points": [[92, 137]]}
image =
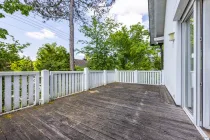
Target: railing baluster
{"points": [[63, 85], [55, 94], [30, 90], [7, 93], [70, 83], [16, 92], [24, 91], [73, 83], [67, 86], [60, 86]]}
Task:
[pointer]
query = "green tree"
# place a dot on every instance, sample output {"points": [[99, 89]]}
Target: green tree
{"points": [[120, 43], [52, 57], [24, 64], [10, 7], [132, 48], [78, 68], [9, 53], [72, 11], [112, 46], [97, 51], [141, 53]]}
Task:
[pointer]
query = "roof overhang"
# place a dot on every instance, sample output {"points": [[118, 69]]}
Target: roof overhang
{"points": [[181, 8], [157, 9]]}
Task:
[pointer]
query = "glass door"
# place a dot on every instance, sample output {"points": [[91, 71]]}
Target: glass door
{"points": [[190, 73]]}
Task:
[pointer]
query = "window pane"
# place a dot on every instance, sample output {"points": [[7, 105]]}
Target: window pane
{"points": [[190, 64]]}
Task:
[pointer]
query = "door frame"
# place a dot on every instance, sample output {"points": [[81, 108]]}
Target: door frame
{"points": [[194, 8]]}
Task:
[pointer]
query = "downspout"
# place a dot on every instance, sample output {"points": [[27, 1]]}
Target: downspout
{"points": [[201, 71]]}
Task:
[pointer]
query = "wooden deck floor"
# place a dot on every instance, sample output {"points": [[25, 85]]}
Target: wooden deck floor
{"points": [[113, 112]]}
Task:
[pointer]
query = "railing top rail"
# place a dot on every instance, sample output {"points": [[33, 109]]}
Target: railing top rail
{"points": [[10, 73], [149, 71], [126, 70], [96, 71], [66, 72], [110, 71]]}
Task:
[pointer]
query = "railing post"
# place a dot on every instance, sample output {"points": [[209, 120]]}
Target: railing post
{"points": [[105, 77], [37, 86], [51, 86], [86, 80], [45, 86], [116, 75], [162, 77], [135, 76]]}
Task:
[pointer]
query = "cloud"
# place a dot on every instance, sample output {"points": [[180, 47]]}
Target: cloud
{"points": [[25, 55], [130, 12], [80, 56], [43, 34]]}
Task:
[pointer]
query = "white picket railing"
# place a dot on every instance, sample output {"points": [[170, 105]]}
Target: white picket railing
{"points": [[64, 83], [141, 77], [126, 76], [111, 77], [96, 79], [19, 90], [150, 77]]}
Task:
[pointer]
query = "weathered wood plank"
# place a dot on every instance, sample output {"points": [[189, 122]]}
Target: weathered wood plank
{"points": [[30, 131], [116, 111], [46, 129], [63, 128], [9, 130]]}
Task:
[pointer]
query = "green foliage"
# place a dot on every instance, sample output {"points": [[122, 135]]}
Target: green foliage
{"points": [[97, 52], [78, 68], [3, 33], [9, 53], [61, 10], [111, 46], [52, 57], [10, 7], [24, 64]]}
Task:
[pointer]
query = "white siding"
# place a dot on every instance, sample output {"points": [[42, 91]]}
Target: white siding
{"points": [[172, 53]]}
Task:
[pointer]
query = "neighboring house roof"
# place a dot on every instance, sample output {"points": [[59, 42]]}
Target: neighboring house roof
{"points": [[157, 9], [81, 63]]}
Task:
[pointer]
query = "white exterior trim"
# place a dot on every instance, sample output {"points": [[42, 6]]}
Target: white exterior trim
{"points": [[203, 134], [157, 39], [206, 66]]}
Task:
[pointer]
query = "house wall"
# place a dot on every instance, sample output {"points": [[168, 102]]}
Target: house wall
{"points": [[172, 52]]}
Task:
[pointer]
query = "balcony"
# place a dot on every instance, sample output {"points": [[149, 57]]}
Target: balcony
{"points": [[95, 105]]}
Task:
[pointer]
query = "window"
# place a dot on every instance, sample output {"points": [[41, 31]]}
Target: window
{"points": [[190, 73]]}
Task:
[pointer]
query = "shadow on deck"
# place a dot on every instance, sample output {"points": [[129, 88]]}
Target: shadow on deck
{"points": [[116, 111]]}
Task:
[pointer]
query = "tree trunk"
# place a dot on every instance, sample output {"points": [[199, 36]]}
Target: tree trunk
{"points": [[71, 39]]}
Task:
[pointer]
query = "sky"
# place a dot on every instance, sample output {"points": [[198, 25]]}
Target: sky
{"points": [[33, 30]]}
